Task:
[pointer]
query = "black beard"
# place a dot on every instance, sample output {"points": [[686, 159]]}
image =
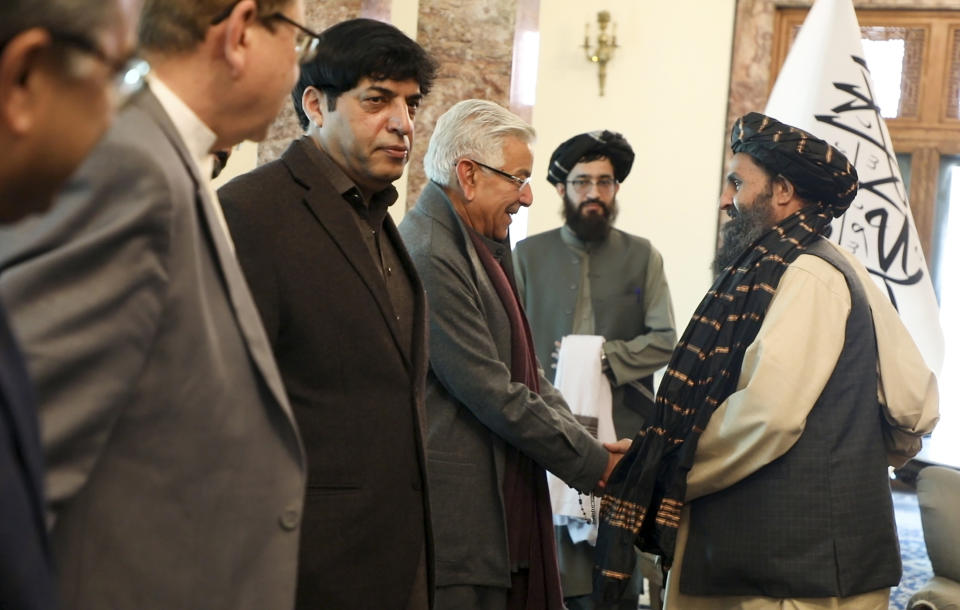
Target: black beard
{"points": [[595, 227], [746, 226]]}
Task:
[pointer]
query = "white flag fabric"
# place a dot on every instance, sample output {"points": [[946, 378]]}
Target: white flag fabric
{"points": [[825, 88]]}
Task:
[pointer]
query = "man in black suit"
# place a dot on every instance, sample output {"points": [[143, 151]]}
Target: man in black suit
{"points": [[344, 311], [53, 54]]}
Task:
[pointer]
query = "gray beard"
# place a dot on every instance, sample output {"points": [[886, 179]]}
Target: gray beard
{"points": [[589, 228], [744, 228]]}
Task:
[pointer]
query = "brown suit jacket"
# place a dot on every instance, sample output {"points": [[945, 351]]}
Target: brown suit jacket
{"points": [[357, 393]]}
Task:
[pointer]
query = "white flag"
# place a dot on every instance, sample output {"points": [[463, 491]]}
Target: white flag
{"points": [[826, 89]]}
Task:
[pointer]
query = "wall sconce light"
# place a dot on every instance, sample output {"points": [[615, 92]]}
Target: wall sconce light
{"points": [[606, 45]]}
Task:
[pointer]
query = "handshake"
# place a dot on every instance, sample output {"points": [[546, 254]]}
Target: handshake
{"points": [[617, 451]]}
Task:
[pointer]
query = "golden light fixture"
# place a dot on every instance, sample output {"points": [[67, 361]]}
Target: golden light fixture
{"points": [[606, 45]]}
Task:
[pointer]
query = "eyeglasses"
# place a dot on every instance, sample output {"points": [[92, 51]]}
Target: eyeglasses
{"points": [[129, 74], [307, 41], [516, 180], [582, 185]]}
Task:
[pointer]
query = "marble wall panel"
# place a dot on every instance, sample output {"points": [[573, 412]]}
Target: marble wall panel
{"points": [[473, 43]]}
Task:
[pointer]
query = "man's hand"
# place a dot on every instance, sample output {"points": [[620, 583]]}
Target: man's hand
{"points": [[621, 446], [617, 450]]}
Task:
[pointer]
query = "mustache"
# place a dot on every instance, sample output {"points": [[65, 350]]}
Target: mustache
{"points": [[593, 202]]}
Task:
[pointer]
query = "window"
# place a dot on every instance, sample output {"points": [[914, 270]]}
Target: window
{"points": [[914, 61]]}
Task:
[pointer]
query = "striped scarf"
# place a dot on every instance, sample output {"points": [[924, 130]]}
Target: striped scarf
{"points": [[645, 494]]}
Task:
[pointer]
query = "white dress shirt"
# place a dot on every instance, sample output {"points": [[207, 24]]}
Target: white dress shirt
{"points": [[198, 138]]}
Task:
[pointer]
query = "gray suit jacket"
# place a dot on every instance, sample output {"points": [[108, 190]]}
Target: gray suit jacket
{"points": [[174, 468], [474, 410]]}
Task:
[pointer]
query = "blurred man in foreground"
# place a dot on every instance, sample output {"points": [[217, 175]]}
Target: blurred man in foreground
{"points": [[54, 54], [175, 469]]}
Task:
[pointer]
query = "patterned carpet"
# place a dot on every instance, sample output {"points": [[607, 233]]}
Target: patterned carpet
{"points": [[916, 565]]}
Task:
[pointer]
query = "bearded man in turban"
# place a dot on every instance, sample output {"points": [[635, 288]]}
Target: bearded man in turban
{"points": [[587, 278], [762, 477]]}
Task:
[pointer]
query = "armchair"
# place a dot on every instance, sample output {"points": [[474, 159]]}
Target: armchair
{"points": [[938, 492]]}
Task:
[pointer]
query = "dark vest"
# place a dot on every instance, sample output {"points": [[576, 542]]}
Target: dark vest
{"points": [[618, 277], [818, 521]]}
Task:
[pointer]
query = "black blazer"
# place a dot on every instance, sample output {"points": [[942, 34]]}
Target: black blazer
{"points": [[26, 578], [356, 393]]}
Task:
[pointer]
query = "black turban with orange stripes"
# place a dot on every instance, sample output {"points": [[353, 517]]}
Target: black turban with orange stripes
{"points": [[819, 172]]}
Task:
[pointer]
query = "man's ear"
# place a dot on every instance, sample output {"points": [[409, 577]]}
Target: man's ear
{"points": [[467, 177], [314, 105], [783, 190], [233, 36], [561, 188], [21, 80]]}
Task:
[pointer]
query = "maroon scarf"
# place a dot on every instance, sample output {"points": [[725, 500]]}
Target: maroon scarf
{"points": [[525, 493]]}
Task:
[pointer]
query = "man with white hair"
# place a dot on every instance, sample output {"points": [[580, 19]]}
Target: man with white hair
{"points": [[494, 421]]}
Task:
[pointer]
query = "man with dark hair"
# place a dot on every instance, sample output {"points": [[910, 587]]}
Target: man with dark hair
{"points": [[587, 278], [383, 55], [53, 53], [763, 475], [344, 313], [175, 470]]}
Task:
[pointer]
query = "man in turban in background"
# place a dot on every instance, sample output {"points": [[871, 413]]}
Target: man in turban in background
{"points": [[762, 476], [587, 278]]}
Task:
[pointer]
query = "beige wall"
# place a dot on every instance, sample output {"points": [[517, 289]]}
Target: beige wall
{"points": [[667, 93]]}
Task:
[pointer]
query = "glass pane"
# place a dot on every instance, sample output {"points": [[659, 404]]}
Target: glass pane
{"points": [[894, 56], [905, 163], [947, 257], [946, 199], [884, 57]]}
